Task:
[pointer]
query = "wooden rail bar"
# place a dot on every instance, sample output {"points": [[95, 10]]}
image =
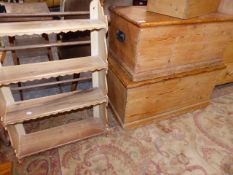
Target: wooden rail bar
{"points": [[51, 83], [37, 46], [20, 15]]}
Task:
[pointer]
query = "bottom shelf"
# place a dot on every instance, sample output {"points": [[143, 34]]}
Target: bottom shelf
{"points": [[28, 144]]}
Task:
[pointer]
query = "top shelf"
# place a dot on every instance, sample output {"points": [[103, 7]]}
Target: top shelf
{"points": [[51, 26]]}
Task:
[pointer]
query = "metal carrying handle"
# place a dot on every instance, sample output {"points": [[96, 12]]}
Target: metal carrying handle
{"points": [[120, 36]]}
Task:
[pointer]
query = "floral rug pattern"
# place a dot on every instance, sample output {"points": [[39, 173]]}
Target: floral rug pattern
{"points": [[197, 143]]}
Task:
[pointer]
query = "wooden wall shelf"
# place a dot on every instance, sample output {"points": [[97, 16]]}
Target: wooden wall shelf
{"points": [[13, 113]]}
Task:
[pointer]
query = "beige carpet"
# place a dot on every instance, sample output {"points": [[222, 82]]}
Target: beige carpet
{"points": [[198, 143]]}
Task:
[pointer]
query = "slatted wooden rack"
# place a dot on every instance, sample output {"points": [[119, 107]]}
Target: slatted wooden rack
{"points": [[13, 113]]}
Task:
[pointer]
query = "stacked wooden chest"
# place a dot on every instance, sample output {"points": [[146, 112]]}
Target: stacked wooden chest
{"points": [[162, 66]]}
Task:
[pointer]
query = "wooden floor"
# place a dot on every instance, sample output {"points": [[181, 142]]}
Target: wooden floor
{"points": [[5, 168]]}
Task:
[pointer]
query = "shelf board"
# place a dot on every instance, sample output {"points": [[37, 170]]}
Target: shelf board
{"points": [[37, 71], [51, 105]]}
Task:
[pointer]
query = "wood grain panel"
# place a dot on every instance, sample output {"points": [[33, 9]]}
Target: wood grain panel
{"points": [[139, 103], [48, 27], [28, 72], [58, 136]]}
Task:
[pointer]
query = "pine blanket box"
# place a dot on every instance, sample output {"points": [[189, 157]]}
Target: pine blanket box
{"points": [[150, 45], [139, 103]]}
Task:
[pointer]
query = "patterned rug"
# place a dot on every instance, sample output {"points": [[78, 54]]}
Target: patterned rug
{"points": [[197, 143]]}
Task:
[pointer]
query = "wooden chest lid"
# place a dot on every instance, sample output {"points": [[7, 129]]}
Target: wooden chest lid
{"points": [[142, 18]]}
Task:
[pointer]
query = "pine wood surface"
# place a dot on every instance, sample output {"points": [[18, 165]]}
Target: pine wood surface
{"points": [[159, 50], [226, 6], [28, 72], [36, 7], [141, 18], [51, 26], [183, 9], [137, 104], [65, 102], [5, 168]]}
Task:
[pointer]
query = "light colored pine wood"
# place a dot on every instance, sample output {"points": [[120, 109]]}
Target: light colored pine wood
{"points": [[4, 136], [139, 103], [40, 14], [26, 144], [143, 19], [53, 51], [54, 137], [2, 104], [65, 102], [227, 74], [156, 45], [98, 48], [27, 72], [53, 26], [52, 83], [5, 168], [26, 8], [183, 8], [7, 100]]}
